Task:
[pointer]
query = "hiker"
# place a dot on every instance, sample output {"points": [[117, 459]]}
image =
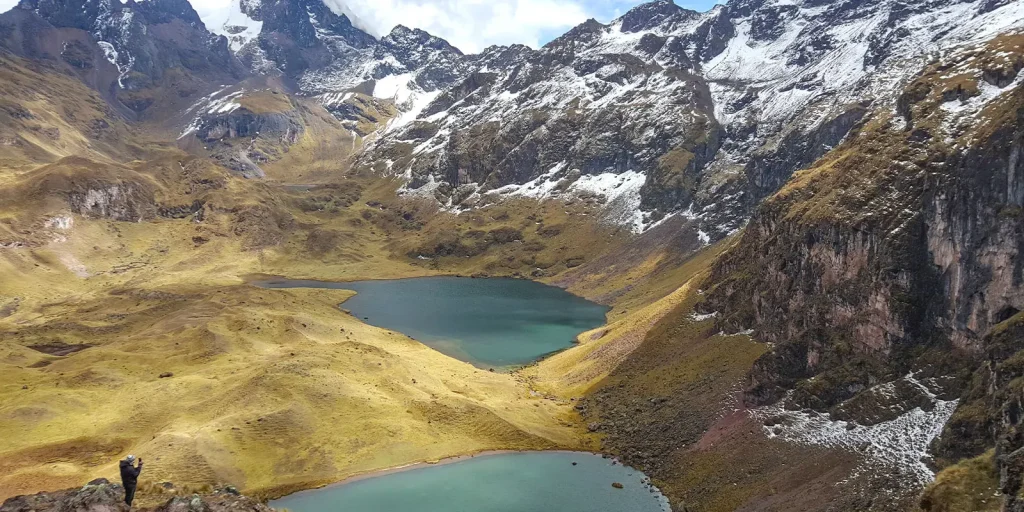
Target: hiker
{"points": [[130, 477]]}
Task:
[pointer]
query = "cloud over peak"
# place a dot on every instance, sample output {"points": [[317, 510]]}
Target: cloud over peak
{"points": [[470, 25]]}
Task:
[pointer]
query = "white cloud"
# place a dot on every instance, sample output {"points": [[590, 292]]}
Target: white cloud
{"points": [[212, 11], [471, 25]]}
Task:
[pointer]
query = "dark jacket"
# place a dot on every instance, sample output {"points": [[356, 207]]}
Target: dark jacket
{"points": [[130, 474]]}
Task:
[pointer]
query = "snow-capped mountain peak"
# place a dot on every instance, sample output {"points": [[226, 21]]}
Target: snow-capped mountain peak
{"points": [[691, 114], [713, 110]]}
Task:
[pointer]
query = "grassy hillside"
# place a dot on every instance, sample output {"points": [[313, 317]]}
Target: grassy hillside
{"points": [[127, 325]]}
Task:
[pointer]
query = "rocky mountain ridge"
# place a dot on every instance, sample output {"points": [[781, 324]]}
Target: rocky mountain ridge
{"points": [[662, 112], [895, 259], [667, 111], [143, 40], [326, 53]]}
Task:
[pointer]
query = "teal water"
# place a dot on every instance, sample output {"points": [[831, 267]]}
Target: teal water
{"points": [[487, 322], [513, 482]]}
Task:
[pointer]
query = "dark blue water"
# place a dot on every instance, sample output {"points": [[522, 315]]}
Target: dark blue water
{"points": [[514, 482], [487, 322]]}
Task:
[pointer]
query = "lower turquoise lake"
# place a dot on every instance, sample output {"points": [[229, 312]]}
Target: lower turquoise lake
{"points": [[506, 482], [491, 322]]}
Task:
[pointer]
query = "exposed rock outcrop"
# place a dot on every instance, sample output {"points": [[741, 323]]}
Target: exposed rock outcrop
{"points": [[896, 253], [146, 43], [97, 496], [868, 259], [117, 201], [96, 190], [102, 496]]}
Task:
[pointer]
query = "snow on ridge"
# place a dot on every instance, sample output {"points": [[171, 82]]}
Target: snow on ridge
{"points": [[901, 443], [614, 40], [777, 90], [780, 88], [239, 28], [622, 196], [621, 192], [395, 87], [117, 24], [697, 317], [217, 103], [811, 66], [334, 98], [958, 112], [113, 56], [109, 52], [410, 99], [753, 61], [426, 190], [411, 109]]}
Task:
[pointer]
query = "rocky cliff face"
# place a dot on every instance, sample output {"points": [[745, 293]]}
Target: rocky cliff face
{"points": [[142, 39], [137, 54], [989, 416], [884, 281], [897, 253], [904, 237]]}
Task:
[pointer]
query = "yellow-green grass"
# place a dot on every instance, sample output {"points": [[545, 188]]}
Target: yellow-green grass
{"points": [[970, 485], [600, 351], [272, 390]]}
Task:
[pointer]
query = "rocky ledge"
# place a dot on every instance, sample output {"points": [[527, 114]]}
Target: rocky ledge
{"points": [[102, 496]]}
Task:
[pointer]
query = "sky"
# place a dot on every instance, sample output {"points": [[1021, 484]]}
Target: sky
{"points": [[470, 25]]}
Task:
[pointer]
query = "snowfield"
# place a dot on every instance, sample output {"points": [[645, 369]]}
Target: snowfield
{"points": [[900, 444]]}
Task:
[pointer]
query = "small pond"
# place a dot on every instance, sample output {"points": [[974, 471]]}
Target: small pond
{"points": [[490, 322], [505, 482]]}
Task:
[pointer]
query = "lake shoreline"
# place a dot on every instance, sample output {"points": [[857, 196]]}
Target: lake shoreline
{"points": [[428, 464], [598, 319], [507, 323], [257, 278]]}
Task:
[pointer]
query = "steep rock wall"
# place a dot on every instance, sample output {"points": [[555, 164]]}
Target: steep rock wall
{"points": [[902, 241]]}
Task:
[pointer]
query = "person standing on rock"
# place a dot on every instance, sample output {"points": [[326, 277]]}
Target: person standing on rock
{"points": [[130, 477]]}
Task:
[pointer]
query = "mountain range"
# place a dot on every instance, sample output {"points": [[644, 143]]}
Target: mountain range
{"points": [[664, 111]]}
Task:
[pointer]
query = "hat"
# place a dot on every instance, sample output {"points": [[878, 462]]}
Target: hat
{"points": [[130, 459]]}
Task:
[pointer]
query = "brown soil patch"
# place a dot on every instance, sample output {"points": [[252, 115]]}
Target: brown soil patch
{"points": [[58, 348]]}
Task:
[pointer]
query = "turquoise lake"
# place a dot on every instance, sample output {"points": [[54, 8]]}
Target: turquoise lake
{"points": [[488, 322], [512, 482]]}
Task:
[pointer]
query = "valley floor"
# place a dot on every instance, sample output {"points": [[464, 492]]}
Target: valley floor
{"points": [[125, 337], [145, 338]]}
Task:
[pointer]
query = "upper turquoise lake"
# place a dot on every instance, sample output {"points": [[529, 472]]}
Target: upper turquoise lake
{"points": [[491, 322], [507, 482]]}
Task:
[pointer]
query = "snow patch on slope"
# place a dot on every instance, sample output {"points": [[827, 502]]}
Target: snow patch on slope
{"points": [[239, 28], [621, 193], [112, 31], [967, 111], [219, 102], [900, 444], [407, 96], [802, 67]]}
